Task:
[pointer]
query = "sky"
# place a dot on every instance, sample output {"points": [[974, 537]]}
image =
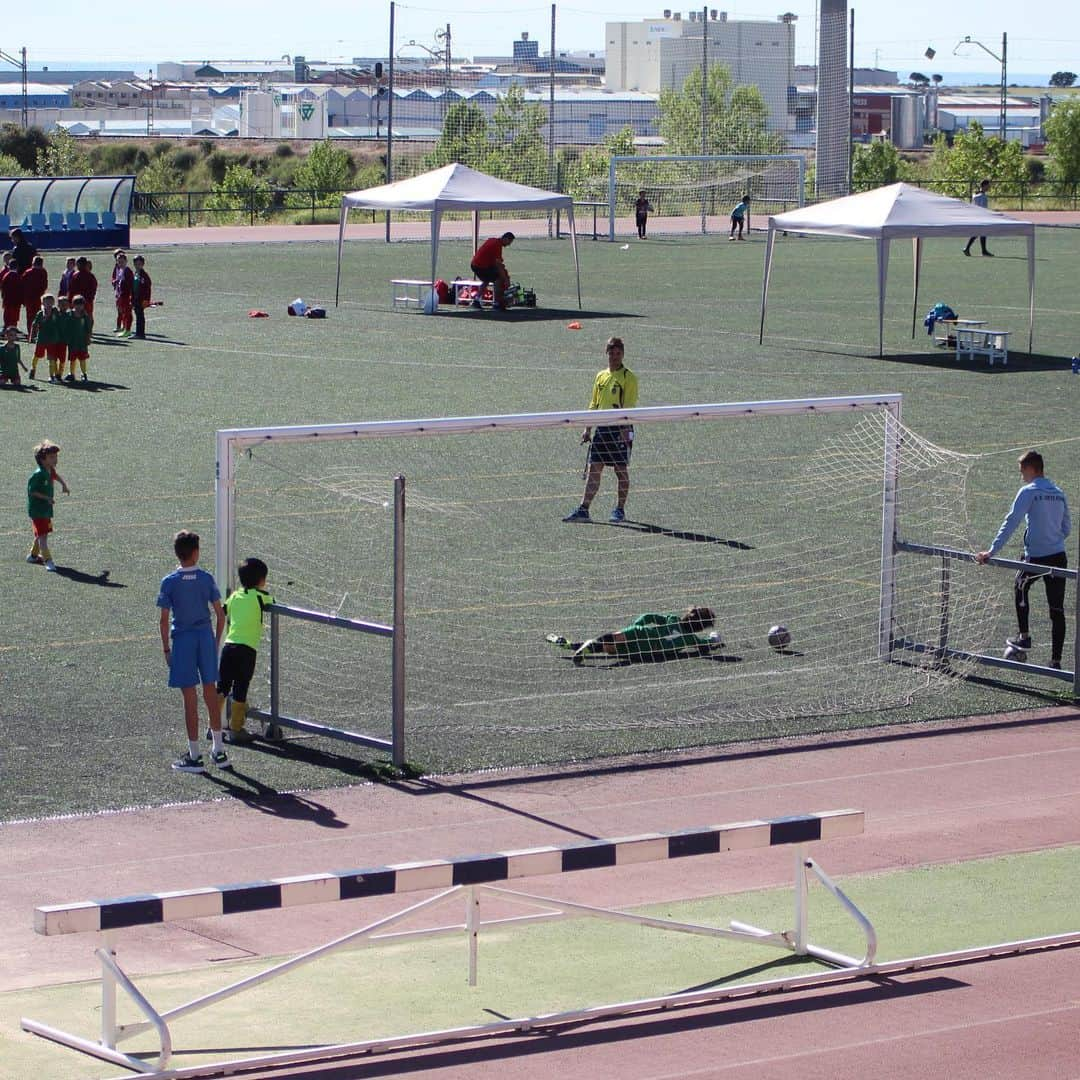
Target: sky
{"points": [[891, 35]]}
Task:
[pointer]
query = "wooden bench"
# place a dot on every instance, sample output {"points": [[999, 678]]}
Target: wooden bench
{"points": [[979, 341], [470, 878]]}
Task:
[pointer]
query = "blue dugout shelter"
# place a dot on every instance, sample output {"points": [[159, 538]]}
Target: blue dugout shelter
{"points": [[68, 212]]}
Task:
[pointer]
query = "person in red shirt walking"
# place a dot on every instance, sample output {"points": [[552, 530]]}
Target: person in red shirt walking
{"points": [[84, 284], [10, 291], [33, 284], [488, 266], [123, 287]]}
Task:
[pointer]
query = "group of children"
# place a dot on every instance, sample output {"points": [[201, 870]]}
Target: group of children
{"points": [[60, 325], [187, 598]]}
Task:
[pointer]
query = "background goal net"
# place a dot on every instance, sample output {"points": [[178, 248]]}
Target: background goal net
{"points": [[770, 513], [696, 193]]}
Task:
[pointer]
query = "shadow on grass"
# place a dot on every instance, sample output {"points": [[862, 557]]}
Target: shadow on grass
{"points": [[537, 314], [658, 1022], [676, 534], [22, 387], [1019, 362], [93, 386], [82, 578]]}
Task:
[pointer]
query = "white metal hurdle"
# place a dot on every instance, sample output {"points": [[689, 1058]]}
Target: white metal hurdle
{"points": [[469, 878]]}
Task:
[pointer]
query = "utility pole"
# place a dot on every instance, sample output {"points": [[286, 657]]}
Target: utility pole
{"points": [[20, 63], [150, 104]]}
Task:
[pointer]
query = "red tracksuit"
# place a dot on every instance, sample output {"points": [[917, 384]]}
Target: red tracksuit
{"points": [[10, 296], [34, 283]]}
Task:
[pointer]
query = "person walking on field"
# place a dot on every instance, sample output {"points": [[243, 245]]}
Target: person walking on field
{"points": [[615, 388], [980, 198], [1042, 506]]}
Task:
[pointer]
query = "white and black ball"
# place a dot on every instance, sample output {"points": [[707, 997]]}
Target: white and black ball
{"points": [[779, 636]]}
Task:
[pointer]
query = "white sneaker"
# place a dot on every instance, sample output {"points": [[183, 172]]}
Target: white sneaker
{"points": [[50, 566]]}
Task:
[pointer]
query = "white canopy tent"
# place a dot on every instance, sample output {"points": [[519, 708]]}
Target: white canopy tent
{"points": [[899, 212], [455, 188]]}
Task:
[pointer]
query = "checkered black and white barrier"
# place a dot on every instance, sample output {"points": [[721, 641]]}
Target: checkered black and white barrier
{"points": [[470, 877]]}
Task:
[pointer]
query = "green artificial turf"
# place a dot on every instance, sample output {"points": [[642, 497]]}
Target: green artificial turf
{"points": [[87, 719], [421, 985]]}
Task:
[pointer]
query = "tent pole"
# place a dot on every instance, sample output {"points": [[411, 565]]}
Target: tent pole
{"points": [[916, 255], [436, 227], [882, 273], [769, 239], [1031, 290], [340, 244], [573, 244]]}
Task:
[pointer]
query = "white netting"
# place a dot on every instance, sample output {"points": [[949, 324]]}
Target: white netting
{"points": [[770, 520], [697, 194], [833, 101]]}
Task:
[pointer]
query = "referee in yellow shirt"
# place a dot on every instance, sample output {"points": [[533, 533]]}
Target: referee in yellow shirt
{"points": [[615, 388]]}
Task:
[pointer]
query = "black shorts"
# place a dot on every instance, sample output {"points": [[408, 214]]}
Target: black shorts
{"points": [[608, 447], [488, 275], [235, 670]]}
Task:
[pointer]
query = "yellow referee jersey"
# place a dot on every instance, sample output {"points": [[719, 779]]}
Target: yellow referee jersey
{"points": [[614, 389]]}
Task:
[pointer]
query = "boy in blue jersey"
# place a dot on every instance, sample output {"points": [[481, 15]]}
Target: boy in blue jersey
{"points": [[1042, 506], [186, 598]]}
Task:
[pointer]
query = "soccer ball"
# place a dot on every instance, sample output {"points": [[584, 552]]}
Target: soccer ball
{"points": [[1013, 653], [779, 636]]}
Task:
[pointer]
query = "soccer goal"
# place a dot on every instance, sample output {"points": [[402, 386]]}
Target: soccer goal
{"points": [[776, 512], [696, 193]]}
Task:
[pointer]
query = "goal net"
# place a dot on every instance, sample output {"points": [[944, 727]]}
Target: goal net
{"points": [[769, 513], [696, 193]]}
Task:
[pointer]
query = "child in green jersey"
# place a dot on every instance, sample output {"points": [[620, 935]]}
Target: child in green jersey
{"points": [[10, 357], [651, 637], [244, 614], [39, 501]]}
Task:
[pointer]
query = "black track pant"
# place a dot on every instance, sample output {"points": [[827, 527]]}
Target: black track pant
{"points": [[1055, 599]]}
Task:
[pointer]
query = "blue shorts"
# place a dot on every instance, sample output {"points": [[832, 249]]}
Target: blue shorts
{"points": [[193, 659]]}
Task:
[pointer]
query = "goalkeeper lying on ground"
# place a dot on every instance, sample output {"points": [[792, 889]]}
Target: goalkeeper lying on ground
{"points": [[652, 636]]}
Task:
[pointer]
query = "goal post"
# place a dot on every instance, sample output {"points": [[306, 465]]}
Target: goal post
{"points": [[320, 504], [696, 192]]}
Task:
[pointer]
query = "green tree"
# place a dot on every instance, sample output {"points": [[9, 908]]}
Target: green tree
{"points": [[157, 188], [517, 150], [23, 144], [1063, 78], [10, 166], [327, 170], [238, 192], [736, 121], [876, 164], [1063, 141], [62, 156], [973, 157], [464, 138], [587, 176]]}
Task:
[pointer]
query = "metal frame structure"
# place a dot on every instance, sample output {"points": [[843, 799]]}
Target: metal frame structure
{"points": [[705, 160], [942, 649], [233, 440], [791, 832]]}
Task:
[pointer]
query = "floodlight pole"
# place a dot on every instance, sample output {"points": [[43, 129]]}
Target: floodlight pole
{"points": [[20, 63], [1002, 60]]}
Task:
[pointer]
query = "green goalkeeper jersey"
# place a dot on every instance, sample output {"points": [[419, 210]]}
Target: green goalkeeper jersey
{"points": [[657, 634]]}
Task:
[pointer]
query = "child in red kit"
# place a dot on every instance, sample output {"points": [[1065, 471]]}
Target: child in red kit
{"points": [[34, 283], [10, 290], [84, 284], [124, 288]]}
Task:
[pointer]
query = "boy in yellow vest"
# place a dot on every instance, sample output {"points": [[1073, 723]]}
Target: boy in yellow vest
{"points": [[244, 613]]}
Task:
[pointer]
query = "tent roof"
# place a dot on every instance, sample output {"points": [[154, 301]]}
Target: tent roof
{"points": [[896, 212], [454, 187]]}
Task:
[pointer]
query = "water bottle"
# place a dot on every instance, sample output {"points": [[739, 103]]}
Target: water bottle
{"points": [[1076, 365]]}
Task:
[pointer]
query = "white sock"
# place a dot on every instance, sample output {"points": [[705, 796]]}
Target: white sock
{"points": [[194, 749], [218, 744]]}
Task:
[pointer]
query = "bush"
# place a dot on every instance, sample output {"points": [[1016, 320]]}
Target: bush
{"points": [[283, 150], [239, 190]]}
